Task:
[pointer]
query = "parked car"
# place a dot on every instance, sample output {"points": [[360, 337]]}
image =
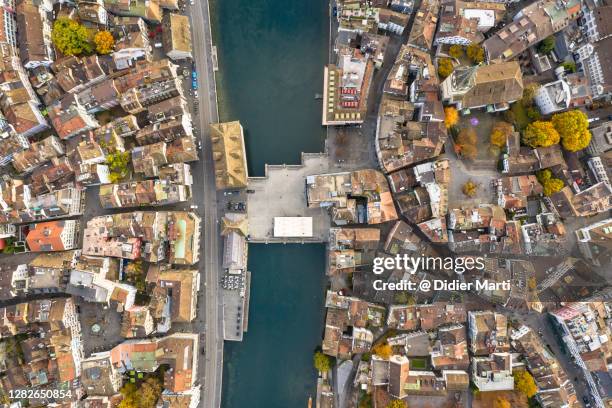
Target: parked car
{"points": [[194, 84]]}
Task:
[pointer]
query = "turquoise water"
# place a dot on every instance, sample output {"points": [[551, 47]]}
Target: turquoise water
{"points": [[272, 367], [271, 55]]}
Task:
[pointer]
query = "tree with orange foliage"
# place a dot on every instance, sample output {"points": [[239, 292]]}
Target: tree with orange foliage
{"points": [[500, 133], [465, 144], [501, 402], [104, 42], [451, 117], [383, 350]]}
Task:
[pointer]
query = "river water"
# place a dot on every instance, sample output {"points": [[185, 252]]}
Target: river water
{"points": [[271, 55], [272, 367]]}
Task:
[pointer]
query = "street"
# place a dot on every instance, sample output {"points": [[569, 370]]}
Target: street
{"points": [[205, 196]]}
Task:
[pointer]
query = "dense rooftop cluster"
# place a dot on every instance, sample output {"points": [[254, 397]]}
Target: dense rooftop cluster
{"points": [[485, 135], [91, 298]]}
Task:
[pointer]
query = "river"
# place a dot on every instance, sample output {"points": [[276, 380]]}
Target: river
{"points": [[271, 55], [272, 367]]}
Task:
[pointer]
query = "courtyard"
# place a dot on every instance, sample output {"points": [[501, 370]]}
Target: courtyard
{"points": [[100, 327]]}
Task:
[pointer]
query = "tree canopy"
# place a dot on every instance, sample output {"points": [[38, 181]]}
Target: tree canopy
{"points": [[118, 164], [524, 383], [475, 52], [465, 143], [573, 127], [569, 66], [104, 42], [145, 396], [470, 188], [322, 362], [501, 402], [403, 298], [547, 45], [383, 350], [529, 93], [455, 51], [70, 37], [445, 67], [551, 184], [500, 133], [540, 134], [451, 117], [397, 404]]}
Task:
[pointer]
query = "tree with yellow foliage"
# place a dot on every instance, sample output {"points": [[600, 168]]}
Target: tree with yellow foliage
{"points": [[573, 127], [397, 404], [451, 117], [540, 134], [475, 52], [70, 37], [383, 350], [524, 383], [104, 42], [455, 51], [470, 188], [322, 362], [551, 184], [445, 67]]}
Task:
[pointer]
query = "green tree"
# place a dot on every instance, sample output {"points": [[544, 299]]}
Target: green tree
{"points": [[547, 45], [533, 113], [550, 184], [365, 401], [524, 383], [540, 134], [573, 127], [445, 67], [397, 404], [322, 362], [455, 51], [475, 52], [569, 66], [70, 37]]}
